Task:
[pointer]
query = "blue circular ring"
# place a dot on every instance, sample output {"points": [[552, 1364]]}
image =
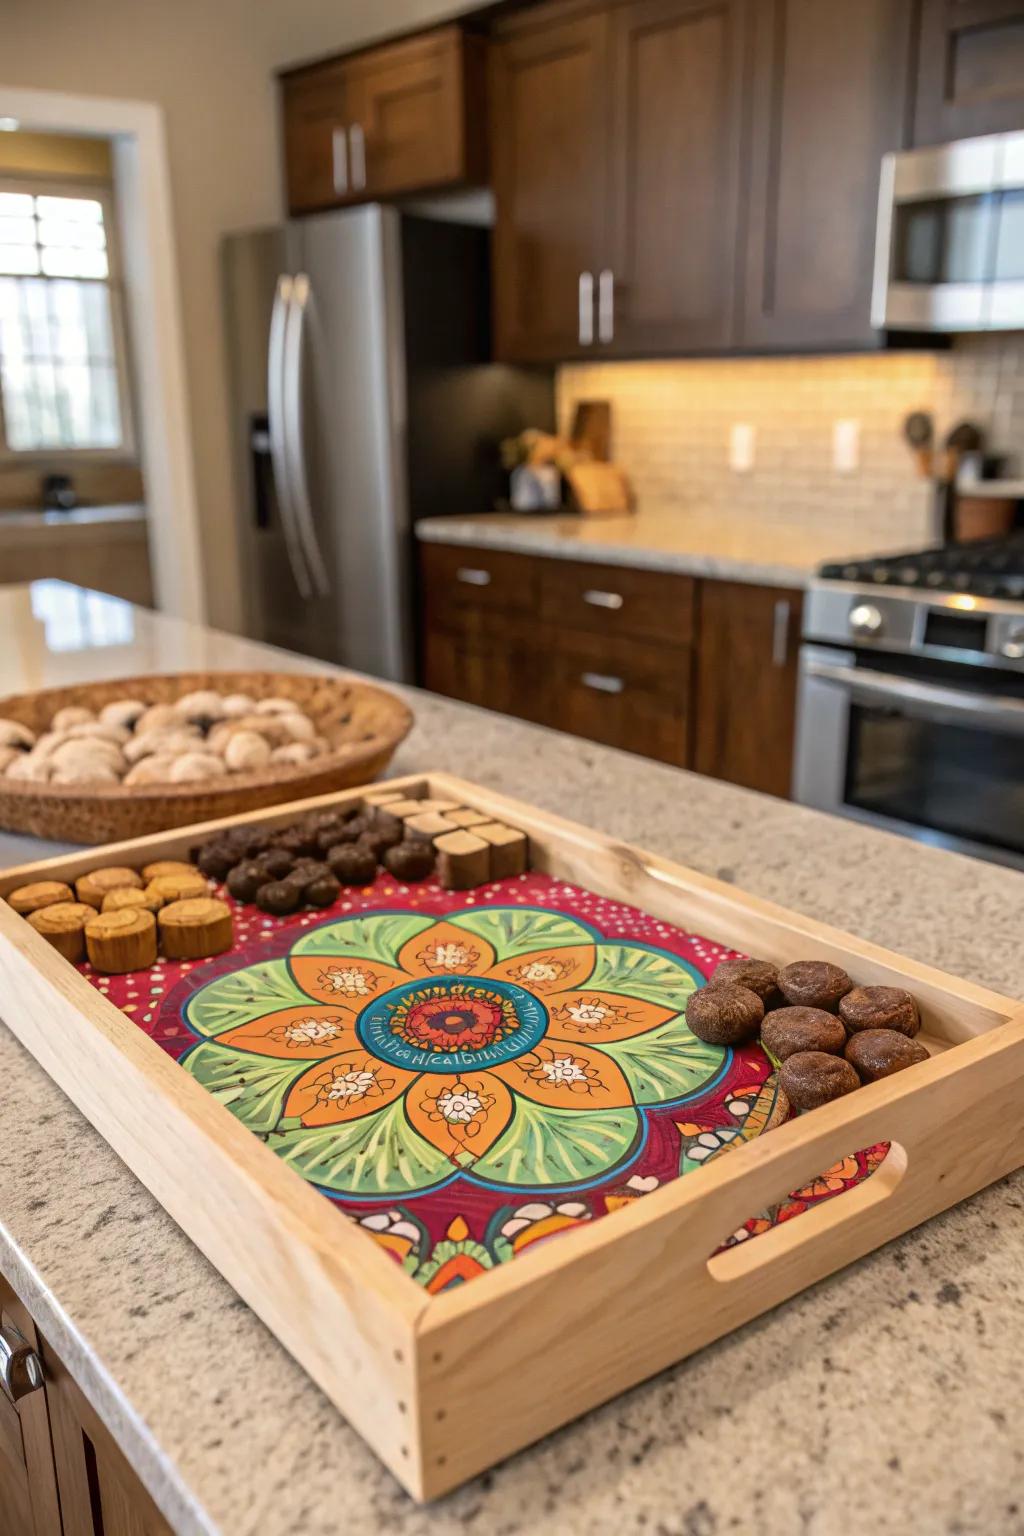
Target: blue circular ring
{"points": [[374, 1027]]}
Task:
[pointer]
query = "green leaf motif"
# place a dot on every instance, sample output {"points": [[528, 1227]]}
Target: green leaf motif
{"points": [[254, 1088], [242, 996], [640, 972], [378, 936], [546, 1146], [667, 1062], [515, 931], [379, 1154]]}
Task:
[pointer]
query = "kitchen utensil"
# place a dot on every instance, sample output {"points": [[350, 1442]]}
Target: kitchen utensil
{"points": [[919, 435]]}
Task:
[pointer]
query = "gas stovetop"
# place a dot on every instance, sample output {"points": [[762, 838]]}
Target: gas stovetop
{"points": [[985, 568]]}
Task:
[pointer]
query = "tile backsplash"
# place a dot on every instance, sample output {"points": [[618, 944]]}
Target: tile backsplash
{"points": [[672, 422]]}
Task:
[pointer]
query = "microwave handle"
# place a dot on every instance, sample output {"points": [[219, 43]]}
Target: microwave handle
{"points": [[930, 699], [883, 242]]}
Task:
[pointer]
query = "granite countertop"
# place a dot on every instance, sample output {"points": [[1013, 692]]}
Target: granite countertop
{"points": [[882, 1399], [77, 517], [693, 541]]}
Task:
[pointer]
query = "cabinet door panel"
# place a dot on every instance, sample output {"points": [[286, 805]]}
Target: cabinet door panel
{"points": [[971, 75], [550, 126], [677, 102], [624, 693], [830, 97], [317, 106], [746, 684]]}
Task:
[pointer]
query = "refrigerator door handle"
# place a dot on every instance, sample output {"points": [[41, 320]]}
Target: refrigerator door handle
{"points": [[276, 432], [294, 421]]}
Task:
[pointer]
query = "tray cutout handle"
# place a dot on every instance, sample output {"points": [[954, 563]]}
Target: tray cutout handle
{"points": [[781, 1242]]}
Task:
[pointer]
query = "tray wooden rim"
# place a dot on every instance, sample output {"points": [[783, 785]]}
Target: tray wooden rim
{"points": [[402, 1339]]}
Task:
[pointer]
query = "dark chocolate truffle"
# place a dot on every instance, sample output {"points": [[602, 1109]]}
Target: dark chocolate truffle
{"points": [[323, 890], [789, 1030], [278, 897], [876, 1053], [814, 984], [758, 976], [379, 842], [812, 1078], [296, 840], [216, 858], [725, 1015], [880, 1008], [276, 863], [245, 880], [352, 864], [409, 861]]}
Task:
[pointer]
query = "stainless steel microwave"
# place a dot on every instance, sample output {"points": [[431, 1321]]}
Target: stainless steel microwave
{"points": [[949, 254]]}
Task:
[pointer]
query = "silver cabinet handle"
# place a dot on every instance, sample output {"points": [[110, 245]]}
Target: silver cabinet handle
{"points": [[780, 633], [339, 161], [586, 314], [279, 436], [606, 306], [357, 153], [294, 423], [21, 1370], [603, 599], [472, 576], [601, 682]]}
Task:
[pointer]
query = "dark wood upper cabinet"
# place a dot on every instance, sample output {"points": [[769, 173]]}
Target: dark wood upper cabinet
{"points": [[676, 105], [971, 75], [405, 117], [830, 94], [549, 106]]}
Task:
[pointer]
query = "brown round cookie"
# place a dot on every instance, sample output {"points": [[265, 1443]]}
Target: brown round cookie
{"points": [[380, 840], [789, 1030], [246, 879], [278, 897], [880, 1008], [876, 1053], [216, 858], [725, 1015], [352, 864], [322, 891], [276, 863], [814, 984], [812, 1078], [758, 976], [409, 860], [299, 841]]}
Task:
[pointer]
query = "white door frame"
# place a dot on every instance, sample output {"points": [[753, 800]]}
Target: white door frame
{"points": [[143, 187]]}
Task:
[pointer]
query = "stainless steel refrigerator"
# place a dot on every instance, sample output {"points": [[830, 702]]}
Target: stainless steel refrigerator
{"points": [[363, 398]]}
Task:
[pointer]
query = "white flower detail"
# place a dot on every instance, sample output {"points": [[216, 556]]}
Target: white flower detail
{"points": [[458, 1107], [312, 1031], [588, 1013], [447, 956], [709, 1142], [353, 1084], [348, 980], [563, 1069], [539, 970]]}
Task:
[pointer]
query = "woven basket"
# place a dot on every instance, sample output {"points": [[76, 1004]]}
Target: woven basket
{"points": [[362, 723]]}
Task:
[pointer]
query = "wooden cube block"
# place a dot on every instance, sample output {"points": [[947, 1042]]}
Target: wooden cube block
{"points": [[467, 818], [384, 796], [428, 825], [508, 848], [407, 807], [463, 861]]}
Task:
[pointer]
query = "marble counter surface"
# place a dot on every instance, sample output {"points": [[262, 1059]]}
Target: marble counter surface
{"points": [[694, 542], [885, 1399]]}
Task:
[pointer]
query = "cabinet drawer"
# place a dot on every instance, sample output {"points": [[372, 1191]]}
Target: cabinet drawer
{"points": [[624, 693], [459, 582], [618, 600]]}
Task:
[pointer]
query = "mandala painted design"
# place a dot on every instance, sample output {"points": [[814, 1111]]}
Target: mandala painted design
{"points": [[515, 1048]]}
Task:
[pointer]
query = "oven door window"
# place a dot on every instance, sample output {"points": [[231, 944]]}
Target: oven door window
{"points": [[963, 780]]}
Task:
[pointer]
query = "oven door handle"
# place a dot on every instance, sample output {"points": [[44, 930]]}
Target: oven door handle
{"points": [[930, 699]]}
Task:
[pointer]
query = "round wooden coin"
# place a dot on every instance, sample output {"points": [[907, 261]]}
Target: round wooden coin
{"points": [[63, 926], [95, 885], [128, 896], [179, 887], [166, 867], [196, 928], [124, 940], [41, 893]]}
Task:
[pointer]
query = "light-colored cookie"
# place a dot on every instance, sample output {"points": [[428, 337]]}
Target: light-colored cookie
{"points": [[277, 706], [92, 771], [151, 770], [127, 896], [203, 704], [167, 867], [121, 941], [293, 753], [63, 926], [195, 766], [8, 755], [95, 730], [14, 734], [158, 717], [246, 750], [168, 742], [299, 727], [71, 715], [34, 770], [123, 713], [112, 877], [236, 704], [179, 887], [196, 928], [87, 749], [41, 893]]}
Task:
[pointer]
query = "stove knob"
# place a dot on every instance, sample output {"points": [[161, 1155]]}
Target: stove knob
{"points": [[1013, 646], [865, 620]]}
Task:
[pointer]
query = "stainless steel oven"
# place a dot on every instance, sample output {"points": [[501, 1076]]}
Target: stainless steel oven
{"points": [[911, 715], [949, 254]]}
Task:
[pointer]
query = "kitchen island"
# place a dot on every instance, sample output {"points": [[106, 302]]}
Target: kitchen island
{"points": [[881, 1399]]}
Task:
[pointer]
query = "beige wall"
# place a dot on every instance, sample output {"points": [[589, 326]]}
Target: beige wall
{"points": [[209, 64]]}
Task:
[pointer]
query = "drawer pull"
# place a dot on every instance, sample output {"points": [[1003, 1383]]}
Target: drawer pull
{"points": [[21, 1370], [780, 633], [603, 599], [472, 576], [601, 682]]}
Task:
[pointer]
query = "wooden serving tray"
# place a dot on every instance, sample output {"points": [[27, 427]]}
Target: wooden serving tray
{"points": [[442, 1386]]}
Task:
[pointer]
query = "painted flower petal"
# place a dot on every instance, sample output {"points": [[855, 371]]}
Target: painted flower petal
{"points": [[547, 1147], [346, 1087], [545, 971], [513, 931], [568, 1075], [227, 1001], [378, 1156], [252, 1087], [667, 1063], [638, 971], [303, 1033], [445, 950], [462, 1114], [363, 936], [343, 983], [597, 1017]]}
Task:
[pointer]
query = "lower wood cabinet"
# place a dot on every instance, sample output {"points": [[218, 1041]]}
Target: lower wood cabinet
{"points": [[697, 674], [61, 1472]]}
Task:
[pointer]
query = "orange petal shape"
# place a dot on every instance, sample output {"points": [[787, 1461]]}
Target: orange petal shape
{"points": [[308, 1032], [462, 1114], [548, 971], [345, 984], [347, 1087], [445, 950], [595, 1017], [567, 1075]]}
